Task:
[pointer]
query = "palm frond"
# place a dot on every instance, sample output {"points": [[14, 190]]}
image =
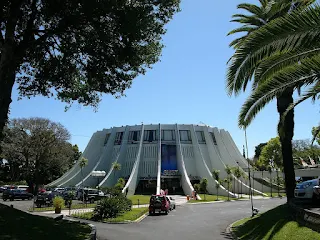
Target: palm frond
{"points": [[311, 93], [273, 64], [294, 31], [254, 9], [304, 73], [246, 29]]}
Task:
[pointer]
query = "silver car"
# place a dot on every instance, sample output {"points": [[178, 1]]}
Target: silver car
{"points": [[172, 203]]}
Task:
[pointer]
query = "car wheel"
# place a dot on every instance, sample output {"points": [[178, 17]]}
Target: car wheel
{"points": [[4, 199], [166, 212], [150, 213], [29, 198], [174, 207]]}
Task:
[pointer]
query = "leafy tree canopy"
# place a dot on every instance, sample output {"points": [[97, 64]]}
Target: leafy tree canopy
{"points": [[37, 150], [76, 50], [271, 153]]}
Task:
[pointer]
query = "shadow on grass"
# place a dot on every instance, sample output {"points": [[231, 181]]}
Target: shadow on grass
{"points": [[266, 225], [15, 224]]}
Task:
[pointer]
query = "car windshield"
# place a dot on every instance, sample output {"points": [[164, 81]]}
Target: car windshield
{"points": [[156, 198]]}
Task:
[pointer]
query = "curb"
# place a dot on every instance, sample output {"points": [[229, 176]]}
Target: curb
{"points": [[93, 234], [229, 231], [221, 201]]}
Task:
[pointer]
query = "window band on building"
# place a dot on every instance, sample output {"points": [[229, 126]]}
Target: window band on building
{"points": [[168, 135], [185, 136], [118, 139], [134, 136], [200, 137], [150, 136]]}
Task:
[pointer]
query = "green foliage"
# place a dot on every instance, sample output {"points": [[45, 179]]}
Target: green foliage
{"points": [[237, 172], [272, 152], [112, 207], [116, 166], [196, 187], [55, 54], [121, 182], [216, 174], [203, 185], [228, 169], [37, 150], [258, 149], [58, 202], [83, 162]]}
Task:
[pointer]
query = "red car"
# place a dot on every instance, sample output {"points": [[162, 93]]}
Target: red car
{"points": [[159, 203]]}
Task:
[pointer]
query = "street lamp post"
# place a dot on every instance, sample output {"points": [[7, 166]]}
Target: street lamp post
{"points": [[98, 175], [253, 210]]}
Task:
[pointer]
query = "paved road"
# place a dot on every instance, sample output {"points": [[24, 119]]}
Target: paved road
{"points": [[190, 221]]}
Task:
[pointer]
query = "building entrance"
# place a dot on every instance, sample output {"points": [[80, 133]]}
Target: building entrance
{"points": [[146, 187], [173, 185]]}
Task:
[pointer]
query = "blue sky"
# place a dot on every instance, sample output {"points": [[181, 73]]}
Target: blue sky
{"points": [[186, 86]]}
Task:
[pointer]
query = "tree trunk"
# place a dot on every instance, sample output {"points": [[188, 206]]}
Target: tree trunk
{"points": [[285, 131]]}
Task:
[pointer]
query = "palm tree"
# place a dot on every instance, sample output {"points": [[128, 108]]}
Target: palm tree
{"points": [[252, 60], [228, 180], [82, 163], [116, 167], [238, 174], [217, 188], [216, 176]]}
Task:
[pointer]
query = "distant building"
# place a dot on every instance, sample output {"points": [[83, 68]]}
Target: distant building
{"points": [[159, 156]]}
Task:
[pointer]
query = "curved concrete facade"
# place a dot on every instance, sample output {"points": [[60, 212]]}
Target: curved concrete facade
{"points": [[160, 156]]}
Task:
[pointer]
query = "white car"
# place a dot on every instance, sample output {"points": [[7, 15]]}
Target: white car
{"points": [[305, 189]]}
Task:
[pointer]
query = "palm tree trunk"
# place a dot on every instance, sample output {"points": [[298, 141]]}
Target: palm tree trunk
{"points": [[228, 191], [285, 131]]}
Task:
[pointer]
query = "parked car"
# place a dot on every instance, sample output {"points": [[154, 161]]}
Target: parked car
{"points": [[22, 187], [59, 189], [16, 194], [305, 189], [172, 203], [3, 188], [159, 203], [44, 199]]}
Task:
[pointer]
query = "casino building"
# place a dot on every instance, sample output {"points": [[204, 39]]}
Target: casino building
{"points": [[160, 156]]}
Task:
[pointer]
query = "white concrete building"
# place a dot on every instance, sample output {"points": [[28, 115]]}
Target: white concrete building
{"points": [[160, 156]]}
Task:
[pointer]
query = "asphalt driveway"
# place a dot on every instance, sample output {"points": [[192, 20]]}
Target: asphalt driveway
{"points": [[190, 221]]}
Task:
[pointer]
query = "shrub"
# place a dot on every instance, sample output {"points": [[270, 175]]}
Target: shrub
{"points": [[58, 202], [112, 207]]}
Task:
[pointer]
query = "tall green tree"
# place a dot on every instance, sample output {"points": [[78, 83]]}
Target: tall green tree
{"points": [[37, 150], [115, 167], [272, 152], [76, 50], [203, 186], [216, 177], [228, 179], [247, 63], [83, 162]]}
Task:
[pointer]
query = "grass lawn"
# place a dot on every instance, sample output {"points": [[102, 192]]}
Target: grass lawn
{"points": [[73, 206], [143, 199], [132, 215], [17, 225], [275, 224], [211, 198]]}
